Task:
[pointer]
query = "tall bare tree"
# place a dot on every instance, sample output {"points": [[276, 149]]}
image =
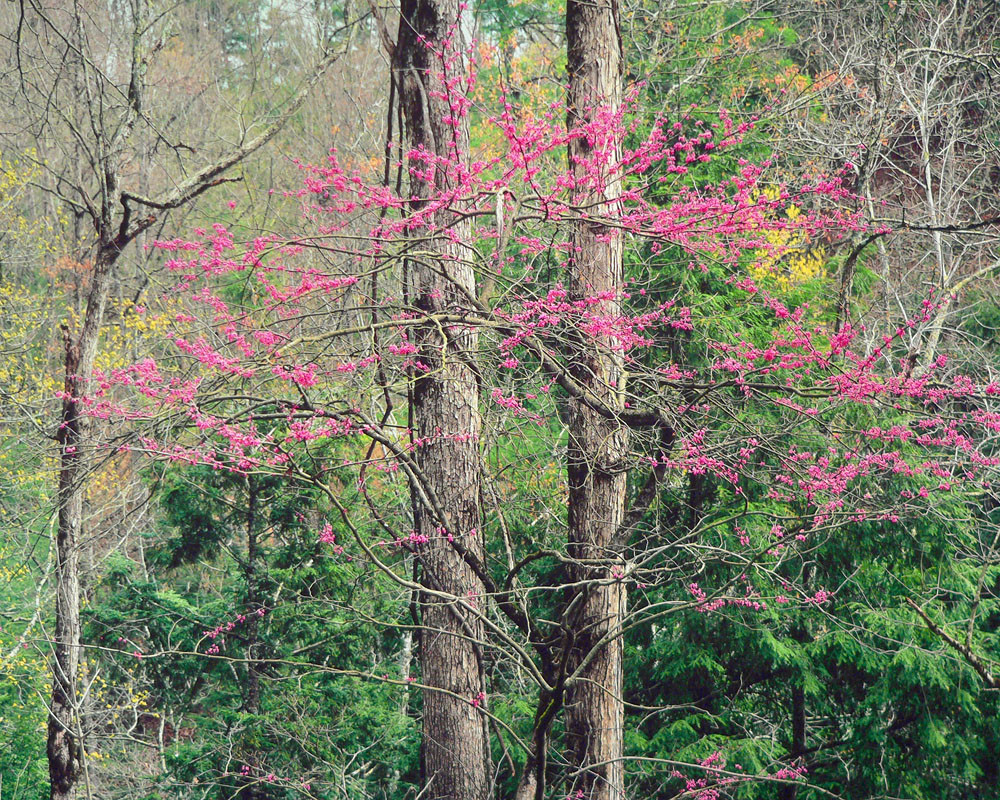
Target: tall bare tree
{"points": [[80, 78], [910, 105]]}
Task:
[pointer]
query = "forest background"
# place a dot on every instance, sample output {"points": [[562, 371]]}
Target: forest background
{"points": [[240, 559]]}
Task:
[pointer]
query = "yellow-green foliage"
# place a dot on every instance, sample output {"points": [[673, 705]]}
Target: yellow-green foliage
{"points": [[791, 261], [26, 236]]}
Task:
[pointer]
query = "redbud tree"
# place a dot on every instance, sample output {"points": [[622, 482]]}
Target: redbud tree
{"points": [[752, 431]]}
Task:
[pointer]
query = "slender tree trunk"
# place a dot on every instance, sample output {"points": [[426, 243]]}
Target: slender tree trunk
{"points": [[253, 757], [251, 575], [791, 791], [532, 783], [65, 752], [455, 752], [594, 707], [64, 749]]}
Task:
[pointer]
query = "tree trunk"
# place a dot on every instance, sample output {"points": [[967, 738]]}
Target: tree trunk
{"points": [[253, 757], [64, 748], [790, 791], [252, 578], [594, 707], [455, 753], [65, 751]]}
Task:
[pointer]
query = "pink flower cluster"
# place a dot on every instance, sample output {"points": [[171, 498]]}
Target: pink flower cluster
{"points": [[217, 634]]}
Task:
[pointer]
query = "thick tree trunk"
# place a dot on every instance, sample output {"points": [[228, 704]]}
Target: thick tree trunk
{"points": [[456, 752], [594, 707], [64, 748]]}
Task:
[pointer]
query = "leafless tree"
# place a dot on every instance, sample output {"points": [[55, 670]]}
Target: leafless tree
{"points": [[905, 95], [79, 74]]}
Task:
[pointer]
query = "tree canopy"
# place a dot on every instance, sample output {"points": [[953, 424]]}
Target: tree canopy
{"points": [[524, 400]]}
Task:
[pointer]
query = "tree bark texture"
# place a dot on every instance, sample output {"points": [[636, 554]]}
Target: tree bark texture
{"points": [[594, 707], [455, 753], [63, 746], [65, 752]]}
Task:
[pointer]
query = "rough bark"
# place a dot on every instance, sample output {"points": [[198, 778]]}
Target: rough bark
{"points": [[455, 753], [594, 707], [63, 746]]}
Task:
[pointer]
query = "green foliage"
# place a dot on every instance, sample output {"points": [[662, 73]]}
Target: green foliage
{"points": [[308, 650], [23, 717]]}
